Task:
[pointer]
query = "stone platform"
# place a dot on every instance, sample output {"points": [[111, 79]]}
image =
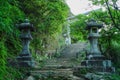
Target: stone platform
{"points": [[98, 63]]}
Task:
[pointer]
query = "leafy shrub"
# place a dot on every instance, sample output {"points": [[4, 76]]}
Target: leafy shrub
{"points": [[3, 54], [112, 77]]}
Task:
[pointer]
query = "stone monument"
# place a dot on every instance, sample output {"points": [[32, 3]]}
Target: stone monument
{"points": [[25, 57], [94, 59], [93, 28]]}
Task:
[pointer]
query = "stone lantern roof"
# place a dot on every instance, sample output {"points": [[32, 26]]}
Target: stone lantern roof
{"points": [[26, 25], [92, 23]]}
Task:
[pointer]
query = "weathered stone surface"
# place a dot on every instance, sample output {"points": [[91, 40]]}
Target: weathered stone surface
{"points": [[30, 78], [93, 76], [55, 72], [62, 67], [72, 77], [72, 50]]}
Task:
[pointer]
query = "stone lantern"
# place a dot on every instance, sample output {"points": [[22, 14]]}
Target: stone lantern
{"points": [[93, 28], [25, 57], [95, 61]]}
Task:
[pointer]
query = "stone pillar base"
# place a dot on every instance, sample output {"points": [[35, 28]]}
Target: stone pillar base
{"points": [[25, 61], [95, 57], [98, 63]]}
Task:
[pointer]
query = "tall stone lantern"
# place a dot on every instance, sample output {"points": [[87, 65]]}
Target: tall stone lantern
{"points": [[93, 28], [95, 61], [25, 57]]}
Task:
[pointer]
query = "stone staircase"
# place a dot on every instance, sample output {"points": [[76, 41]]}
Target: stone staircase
{"points": [[71, 50], [68, 67], [62, 66], [58, 68]]}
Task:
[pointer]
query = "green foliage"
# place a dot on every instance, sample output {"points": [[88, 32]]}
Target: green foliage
{"points": [[97, 2], [112, 77], [111, 15], [110, 39], [83, 71], [113, 52], [10, 14], [49, 76], [48, 17], [13, 74], [78, 32], [3, 54]]}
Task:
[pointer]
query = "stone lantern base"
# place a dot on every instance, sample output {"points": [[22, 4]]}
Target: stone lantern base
{"points": [[98, 63], [25, 61]]}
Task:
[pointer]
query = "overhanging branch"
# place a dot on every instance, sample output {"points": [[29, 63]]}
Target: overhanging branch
{"points": [[106, 1]]}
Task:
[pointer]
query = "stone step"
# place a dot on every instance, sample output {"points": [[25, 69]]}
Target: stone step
{"points": [[55, 72], [67, 73], [78, 69], [58, 60], [60, 63], [72, 77], [57, 67], [70, 51]]}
